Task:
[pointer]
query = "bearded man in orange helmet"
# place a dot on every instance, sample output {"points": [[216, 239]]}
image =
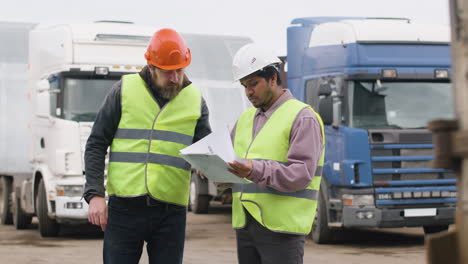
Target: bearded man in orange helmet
{"points": [[146, 119]]}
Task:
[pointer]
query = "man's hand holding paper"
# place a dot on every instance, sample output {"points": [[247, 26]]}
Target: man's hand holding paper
{"points": [[214, 156], [241, 170]]}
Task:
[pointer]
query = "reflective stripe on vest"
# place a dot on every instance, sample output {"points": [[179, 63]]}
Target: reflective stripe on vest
{"points": [[253, 188], [286, 212], [144, 156]]}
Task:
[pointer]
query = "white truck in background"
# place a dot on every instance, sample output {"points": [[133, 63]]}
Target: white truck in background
{"points": [[53, 80]]}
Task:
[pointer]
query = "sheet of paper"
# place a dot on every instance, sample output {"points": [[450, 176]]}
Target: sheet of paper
{"points": [[216, 143], [213, 167], [211, 154]]}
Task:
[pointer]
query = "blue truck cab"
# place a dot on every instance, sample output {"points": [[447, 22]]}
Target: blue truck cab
{"points": [[376, 83]]}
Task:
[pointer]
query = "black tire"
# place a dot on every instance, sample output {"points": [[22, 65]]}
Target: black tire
{"points": [[198, 203], [6, 217], [47, 227], [20, 218], [435, 229], [321, 233]]}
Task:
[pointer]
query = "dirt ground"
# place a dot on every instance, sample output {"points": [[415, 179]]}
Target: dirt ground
{"points": [[210, 239]]}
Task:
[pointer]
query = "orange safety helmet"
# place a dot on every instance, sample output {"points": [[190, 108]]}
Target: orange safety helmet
{"points": [[167, 50]]}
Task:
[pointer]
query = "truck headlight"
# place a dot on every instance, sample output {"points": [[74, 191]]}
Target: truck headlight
{"points": [[441, 74], [69, 190], [354, 199]]}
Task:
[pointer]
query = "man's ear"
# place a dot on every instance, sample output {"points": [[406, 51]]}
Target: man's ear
{"points": [[151, 67], [274, 78]]}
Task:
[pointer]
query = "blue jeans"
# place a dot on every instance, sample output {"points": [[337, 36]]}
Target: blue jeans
{"points": [[131, 221]]}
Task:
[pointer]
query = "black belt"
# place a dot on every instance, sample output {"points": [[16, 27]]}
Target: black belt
{"points": [[143, 201]]}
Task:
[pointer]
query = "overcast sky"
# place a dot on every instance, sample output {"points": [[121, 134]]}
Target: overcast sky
{"points": [[262, 20]]}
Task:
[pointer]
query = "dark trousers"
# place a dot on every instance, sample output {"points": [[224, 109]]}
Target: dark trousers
{"points": [[258, 245], [131, 221]]}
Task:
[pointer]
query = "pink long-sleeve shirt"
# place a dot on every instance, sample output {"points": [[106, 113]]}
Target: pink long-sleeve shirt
{"points": [[305, 148]]}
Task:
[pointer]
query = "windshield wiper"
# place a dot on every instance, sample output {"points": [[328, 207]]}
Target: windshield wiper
{"points": [[394, 126], [382, 126], [89, 116]]}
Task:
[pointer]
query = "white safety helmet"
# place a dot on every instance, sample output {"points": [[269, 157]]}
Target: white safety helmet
{"points": [[251, 58]]}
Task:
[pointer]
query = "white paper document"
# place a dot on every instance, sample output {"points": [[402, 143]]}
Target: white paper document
{"points": [[211, 154]]}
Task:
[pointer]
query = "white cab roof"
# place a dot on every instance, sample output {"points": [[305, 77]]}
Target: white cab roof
{"points": [[88, 32], [377, 31]]}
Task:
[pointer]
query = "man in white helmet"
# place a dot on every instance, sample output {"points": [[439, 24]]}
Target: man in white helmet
{"points": [[281, 139]]}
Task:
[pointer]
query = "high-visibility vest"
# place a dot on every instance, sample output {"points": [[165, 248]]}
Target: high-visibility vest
{"points": [[144, 155], [286, 212]]}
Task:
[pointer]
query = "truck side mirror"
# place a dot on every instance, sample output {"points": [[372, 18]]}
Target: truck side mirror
{"points": [[325, 90], [325, 107]]}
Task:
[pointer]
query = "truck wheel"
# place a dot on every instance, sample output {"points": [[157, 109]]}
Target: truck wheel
{"points": [[199, 203], [20, 218], [321, 233], [6, 217], [47, 227], [435, 229]]}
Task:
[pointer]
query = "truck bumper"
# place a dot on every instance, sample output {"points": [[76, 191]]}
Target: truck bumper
{"points": [[354, 216], [71, 210]]}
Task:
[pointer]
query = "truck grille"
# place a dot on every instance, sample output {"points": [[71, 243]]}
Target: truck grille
{"points": [[415, 138], [402, 176], [405, 162]]}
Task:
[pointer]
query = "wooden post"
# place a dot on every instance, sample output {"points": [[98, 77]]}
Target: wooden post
{"points": [[455, 244]]}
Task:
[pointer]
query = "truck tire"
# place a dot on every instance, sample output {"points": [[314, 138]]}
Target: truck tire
{"points": [[20, 219], [321, 233], [47, 227], [6, 217], [198, 203], [435, 229]]}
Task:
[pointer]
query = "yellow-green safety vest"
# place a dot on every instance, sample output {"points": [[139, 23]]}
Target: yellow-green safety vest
{"points": [[286, 212], [144, 154]]}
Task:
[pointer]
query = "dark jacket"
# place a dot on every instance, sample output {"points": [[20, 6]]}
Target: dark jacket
{"points": [[106, 124]]}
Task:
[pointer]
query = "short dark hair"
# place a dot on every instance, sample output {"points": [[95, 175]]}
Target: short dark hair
{"points": [[267, 73]]}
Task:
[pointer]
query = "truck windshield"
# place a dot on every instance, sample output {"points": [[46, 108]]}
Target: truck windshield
{"points": [[83, 97], [398, 105]]}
